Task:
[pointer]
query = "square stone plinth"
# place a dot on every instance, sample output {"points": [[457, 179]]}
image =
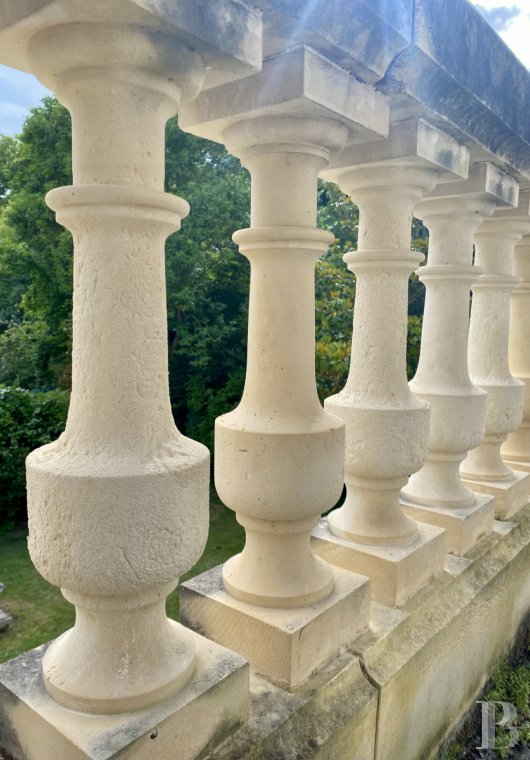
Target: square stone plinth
{"points": [[464, 525], [285, 645], [396, 572], [510, 495], [196, 719]]}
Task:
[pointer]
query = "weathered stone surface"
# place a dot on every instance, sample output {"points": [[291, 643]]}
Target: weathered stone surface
{"points": [[438, 75], [386, 425], [489, 100], [424, 664], [431, 665], [118, 505], [464, 526], [510, 495], [34, 727], [359, 34], [423, 53], [298, 82], [413, 142], [286, 645], [228, 33], [452, 212], [516, 449], [284, 124], [420, 665], [395, 572], [484, 469], [331, 717]]}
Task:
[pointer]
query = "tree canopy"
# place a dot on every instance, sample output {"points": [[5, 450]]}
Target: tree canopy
{"points": [[207, 279]]}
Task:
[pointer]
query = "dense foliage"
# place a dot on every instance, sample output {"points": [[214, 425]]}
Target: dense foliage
{"points": [[27, 420], [207, 279]]}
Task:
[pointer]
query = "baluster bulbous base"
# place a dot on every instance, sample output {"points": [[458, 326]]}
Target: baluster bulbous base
{"points": [[485, 462], [438, 483], [150, 657], [371, 514], [277, 567]]}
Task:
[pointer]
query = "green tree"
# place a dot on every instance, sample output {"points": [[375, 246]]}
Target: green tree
{"points": [[35, 253], [207, 278], [27, 420], [335, 290], [208, 282]]}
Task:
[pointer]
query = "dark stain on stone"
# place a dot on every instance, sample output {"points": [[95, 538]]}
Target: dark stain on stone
{"points": [[10, 747], [445, 158]]}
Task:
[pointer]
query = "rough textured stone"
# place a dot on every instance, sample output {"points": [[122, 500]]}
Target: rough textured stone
{"points": [[452, 212], [415, 143], [432, 664], [516, 449], [118, 505], [298, 82], [34, 727], [386, 425], [229, 35], [484, 469], [419, 665], [424, 54], [424, 664], [285, 124], [359, 35]]}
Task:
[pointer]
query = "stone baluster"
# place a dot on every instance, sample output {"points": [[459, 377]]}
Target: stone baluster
{"points": [[386, 426], [279, 456], [483, 470], [436, 494], [516, 450], [118, 505]]}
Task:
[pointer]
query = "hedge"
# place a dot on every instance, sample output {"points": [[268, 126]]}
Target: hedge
{"points": [[28, 419]]}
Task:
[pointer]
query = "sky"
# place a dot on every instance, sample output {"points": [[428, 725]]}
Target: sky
{"points": [[19, 92]]}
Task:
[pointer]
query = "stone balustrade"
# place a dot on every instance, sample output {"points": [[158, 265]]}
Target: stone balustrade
{"points": [[118, 505], [484, 470], [516, 450], [386, 426], [364, 633], [279, 456], [436, 494]]}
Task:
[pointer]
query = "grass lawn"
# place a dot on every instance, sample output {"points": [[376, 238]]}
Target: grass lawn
{"points": [[40, 613]]}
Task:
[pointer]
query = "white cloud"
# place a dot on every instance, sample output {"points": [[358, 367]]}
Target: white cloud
{"points": [[499, 17], [514, 29], [517, 37], [18, 93]]}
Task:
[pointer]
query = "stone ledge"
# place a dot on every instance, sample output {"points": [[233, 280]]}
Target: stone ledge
{"points": [[362, 37], [228, 33], [331, 717], [418, 667], [427, 661]]}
